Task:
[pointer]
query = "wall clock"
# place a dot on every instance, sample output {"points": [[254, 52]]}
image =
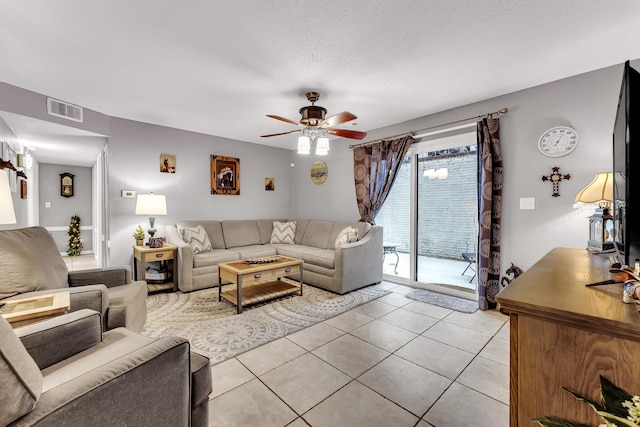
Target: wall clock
{"points": [[558, 141], [66, 184], [318, 172]]}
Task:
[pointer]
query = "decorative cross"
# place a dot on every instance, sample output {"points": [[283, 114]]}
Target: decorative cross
{"points": [[555, 178]]}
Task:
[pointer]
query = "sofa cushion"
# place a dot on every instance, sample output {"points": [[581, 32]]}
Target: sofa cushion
{"points": [[253, 251], [214, 257], [283, 232], [320, 257], [212, 227], [197, 238], [317, 234], [22, 251], [346, 236], [240, 232], [19, 375]]}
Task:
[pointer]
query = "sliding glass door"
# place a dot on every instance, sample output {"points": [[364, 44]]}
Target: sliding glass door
{"points": [[430, 216]]}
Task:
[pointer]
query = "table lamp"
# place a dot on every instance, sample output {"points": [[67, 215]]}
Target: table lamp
{"points": [[152, 205], [7, 214], [601, 222]]}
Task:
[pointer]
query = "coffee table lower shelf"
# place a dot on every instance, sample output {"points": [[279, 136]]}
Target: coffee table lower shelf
{"points": [[261, 292]]}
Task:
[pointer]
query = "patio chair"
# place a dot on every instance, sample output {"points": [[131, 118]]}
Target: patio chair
{"points": [[470, 257]]}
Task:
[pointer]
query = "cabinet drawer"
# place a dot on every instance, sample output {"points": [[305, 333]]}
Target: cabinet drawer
{"points": [[285, 271], [257, 277], [159, 256]]}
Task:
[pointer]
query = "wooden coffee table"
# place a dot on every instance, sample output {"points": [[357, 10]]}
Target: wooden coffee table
{"points": [[258, 282], [23, 311]]}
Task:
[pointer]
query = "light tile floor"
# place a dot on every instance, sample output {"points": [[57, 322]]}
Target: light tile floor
{"points": [[390, 362]]}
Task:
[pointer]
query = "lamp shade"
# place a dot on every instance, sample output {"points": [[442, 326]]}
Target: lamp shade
{"points": [[151, 204], [304, 145], [600, 189], [7, 214]]}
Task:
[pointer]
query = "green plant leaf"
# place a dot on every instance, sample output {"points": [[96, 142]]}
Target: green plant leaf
{"points": [[595, 405], [612, 398], [554, 422]]}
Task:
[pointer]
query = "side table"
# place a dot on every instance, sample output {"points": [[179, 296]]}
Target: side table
{"points": [[145, 254]]}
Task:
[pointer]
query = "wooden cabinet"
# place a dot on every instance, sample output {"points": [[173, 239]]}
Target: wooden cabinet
{"points": [[564, 334]]}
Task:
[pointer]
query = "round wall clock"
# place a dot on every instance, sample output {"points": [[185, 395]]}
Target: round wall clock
{"points": [[558, 141], [318, 172]]}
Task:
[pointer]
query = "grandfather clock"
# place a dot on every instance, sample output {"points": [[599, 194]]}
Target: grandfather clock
{"points": [[600, 231]]}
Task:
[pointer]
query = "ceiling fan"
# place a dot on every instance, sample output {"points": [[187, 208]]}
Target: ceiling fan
{"points": [[314, 124]]}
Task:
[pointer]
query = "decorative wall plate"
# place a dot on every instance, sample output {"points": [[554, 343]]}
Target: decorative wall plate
{"points": [[318, 172]]}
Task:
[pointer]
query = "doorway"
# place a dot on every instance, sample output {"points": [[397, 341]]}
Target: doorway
{"points": [[430, 217]]}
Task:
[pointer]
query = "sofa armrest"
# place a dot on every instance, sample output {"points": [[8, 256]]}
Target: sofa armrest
{"points": [[123, 391], [361, 261], [53, 340], [110, 277], [185, 258]]}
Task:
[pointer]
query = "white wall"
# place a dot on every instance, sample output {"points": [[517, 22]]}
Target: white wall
{"points": [[587, 102]]}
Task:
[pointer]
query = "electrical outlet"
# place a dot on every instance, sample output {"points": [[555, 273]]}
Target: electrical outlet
{"points": [[527, 203]]}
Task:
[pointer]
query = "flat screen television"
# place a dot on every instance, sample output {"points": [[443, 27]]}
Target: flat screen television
{"points": [[626, 168]]}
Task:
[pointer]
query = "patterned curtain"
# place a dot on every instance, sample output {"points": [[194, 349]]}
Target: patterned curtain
{"points": [[375, 167], [490, 211]]}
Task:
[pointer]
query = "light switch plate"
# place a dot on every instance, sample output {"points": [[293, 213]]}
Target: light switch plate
{"points": [[527, 203]]}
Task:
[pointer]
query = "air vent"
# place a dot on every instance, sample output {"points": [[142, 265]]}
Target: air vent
{"points": [[64, 109]]}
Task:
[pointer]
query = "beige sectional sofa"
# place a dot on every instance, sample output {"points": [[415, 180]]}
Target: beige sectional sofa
{"points": [[338, 269]]}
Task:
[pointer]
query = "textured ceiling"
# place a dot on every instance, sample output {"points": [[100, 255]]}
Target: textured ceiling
{"points": [[218, 67]]}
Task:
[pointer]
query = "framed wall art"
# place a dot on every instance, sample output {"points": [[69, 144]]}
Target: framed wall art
{"points": [[225, 175], [23, 188], [269, 184], [167, 163]]}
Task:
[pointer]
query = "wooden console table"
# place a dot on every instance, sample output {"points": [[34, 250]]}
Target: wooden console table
{"points": [[566, 334]]}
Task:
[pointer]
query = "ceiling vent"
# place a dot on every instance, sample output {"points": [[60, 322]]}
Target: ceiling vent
{"points": [[64, 109]]}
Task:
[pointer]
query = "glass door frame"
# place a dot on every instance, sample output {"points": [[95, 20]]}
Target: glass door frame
{"points": [[434, 143]]}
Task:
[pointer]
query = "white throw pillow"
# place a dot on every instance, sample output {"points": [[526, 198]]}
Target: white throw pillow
{"points": [[197, 238], [347, 235], [284, 232]]}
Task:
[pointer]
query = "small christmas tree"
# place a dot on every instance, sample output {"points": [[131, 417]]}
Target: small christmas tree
{"points": [[75, 245]]}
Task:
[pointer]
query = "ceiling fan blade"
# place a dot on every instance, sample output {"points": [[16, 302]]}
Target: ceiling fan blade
{"points": [[345, 133], [337, 119], [281, 133], [283, 119]]}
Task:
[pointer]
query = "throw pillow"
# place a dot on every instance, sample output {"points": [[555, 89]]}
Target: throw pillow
{"points": [[197, 238], [347, 235], [283, 232]]}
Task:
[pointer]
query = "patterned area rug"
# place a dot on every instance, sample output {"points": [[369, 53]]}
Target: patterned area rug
{"points": [[215, 330], [442, 300]]}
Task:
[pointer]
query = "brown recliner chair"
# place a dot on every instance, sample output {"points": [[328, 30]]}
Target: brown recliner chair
{"points": [[66, 371], [31, 265]]}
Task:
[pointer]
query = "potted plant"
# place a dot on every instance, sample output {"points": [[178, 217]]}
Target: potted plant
{"points": [[139, 236]]}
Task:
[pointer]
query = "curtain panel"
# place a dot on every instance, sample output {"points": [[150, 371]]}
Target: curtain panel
{"points": [[375, 167], [490, 175]]}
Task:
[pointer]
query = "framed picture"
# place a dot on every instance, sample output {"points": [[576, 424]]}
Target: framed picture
{"points": [[269, 184], [225, 175], [167, 163]]}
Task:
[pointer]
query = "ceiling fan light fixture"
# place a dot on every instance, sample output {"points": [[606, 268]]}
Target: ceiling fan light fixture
{"points": [[304, 145], [322, 147]]}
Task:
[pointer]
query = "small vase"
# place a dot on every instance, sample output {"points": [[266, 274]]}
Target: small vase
{"points": [[139, 242]]}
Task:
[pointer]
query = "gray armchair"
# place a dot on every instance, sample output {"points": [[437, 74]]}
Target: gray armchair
{"points": [[66, 371], [30, 264]]}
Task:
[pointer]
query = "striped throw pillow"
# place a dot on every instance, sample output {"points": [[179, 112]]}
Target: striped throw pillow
{"points": [[283, 232], [197, 238]]}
